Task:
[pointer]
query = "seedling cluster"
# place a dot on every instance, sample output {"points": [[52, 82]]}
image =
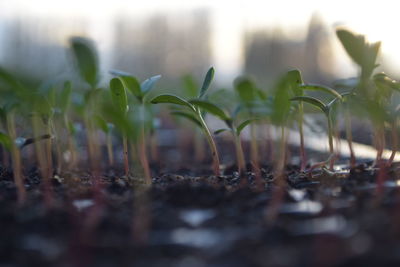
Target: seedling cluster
{"points": [[55, 115]]}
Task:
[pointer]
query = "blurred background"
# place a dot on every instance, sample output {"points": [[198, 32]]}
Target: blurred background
{"points": [[176, 37]]}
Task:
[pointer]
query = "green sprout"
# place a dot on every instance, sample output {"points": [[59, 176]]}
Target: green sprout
{"points": [[87, 66], [107, 128], [295, 82], [385, 88], [250, 101], [365, 54], [193, 112], [327, 110], [140, 91], [120, 101]]}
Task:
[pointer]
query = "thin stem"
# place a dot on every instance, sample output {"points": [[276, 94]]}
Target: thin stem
{"points": [[71, 143], [154, 147], [213, 147], [330, 136], [42, 156], [142, 149], [49, 153], [394, 142], [279, 192], [255, 157], [198, 146], [253, 144], [282, 153], [110, 149], [349, 138], [125, 151], [16, 161], [302, 149], [380, 143], [239, 154], [53, 133]]}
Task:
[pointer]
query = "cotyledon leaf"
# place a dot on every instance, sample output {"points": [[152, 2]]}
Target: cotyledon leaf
{"points": [[207, 81]]}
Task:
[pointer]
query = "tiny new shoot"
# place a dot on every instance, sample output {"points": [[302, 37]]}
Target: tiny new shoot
{"points": [[385, 88], [140, 91], [236, 131], [194, 112], [326, 109], [107, 130], [298, 88], [250, 100], [120, 101]]}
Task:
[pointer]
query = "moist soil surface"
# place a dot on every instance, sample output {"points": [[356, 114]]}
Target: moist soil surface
{"points": [[341, 219]]}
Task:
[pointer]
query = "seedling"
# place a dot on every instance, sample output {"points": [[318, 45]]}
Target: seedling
{"points": [[231, 127], [120, 101], [326, 109], [107, 130], [386, 86], [251, 102], [365, 54], [140, 91], [195, 108]]}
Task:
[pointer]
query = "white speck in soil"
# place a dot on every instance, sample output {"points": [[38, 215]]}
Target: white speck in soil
{"points": [[195, 217], [81, 204], [305, 207]]}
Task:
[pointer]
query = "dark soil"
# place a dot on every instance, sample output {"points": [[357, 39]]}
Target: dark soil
{"points": [[183, 220]]}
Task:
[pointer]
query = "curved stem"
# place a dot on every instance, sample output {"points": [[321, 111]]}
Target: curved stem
{"points": [[330, 136], [213, 147], [394, 142], [349, 138], [302, 150]]}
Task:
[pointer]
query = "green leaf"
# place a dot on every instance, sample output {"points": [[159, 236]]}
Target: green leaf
{"points": [[353, 44], [101, 123], [311, 100], [294, 80], [65, 96], [133, 85], [361, 52], [190, 86], [246, 90], [243, 125], [187, 116], [321, 88], [171, 99], [148, 84], [118, 95], [10, 80], [3, 117], [386, 84], [5, 141], [207, 81], [42, 106], [333, 101], [221, 131], [281, 102], [71, 128], [86, 59], [210, 108]]}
